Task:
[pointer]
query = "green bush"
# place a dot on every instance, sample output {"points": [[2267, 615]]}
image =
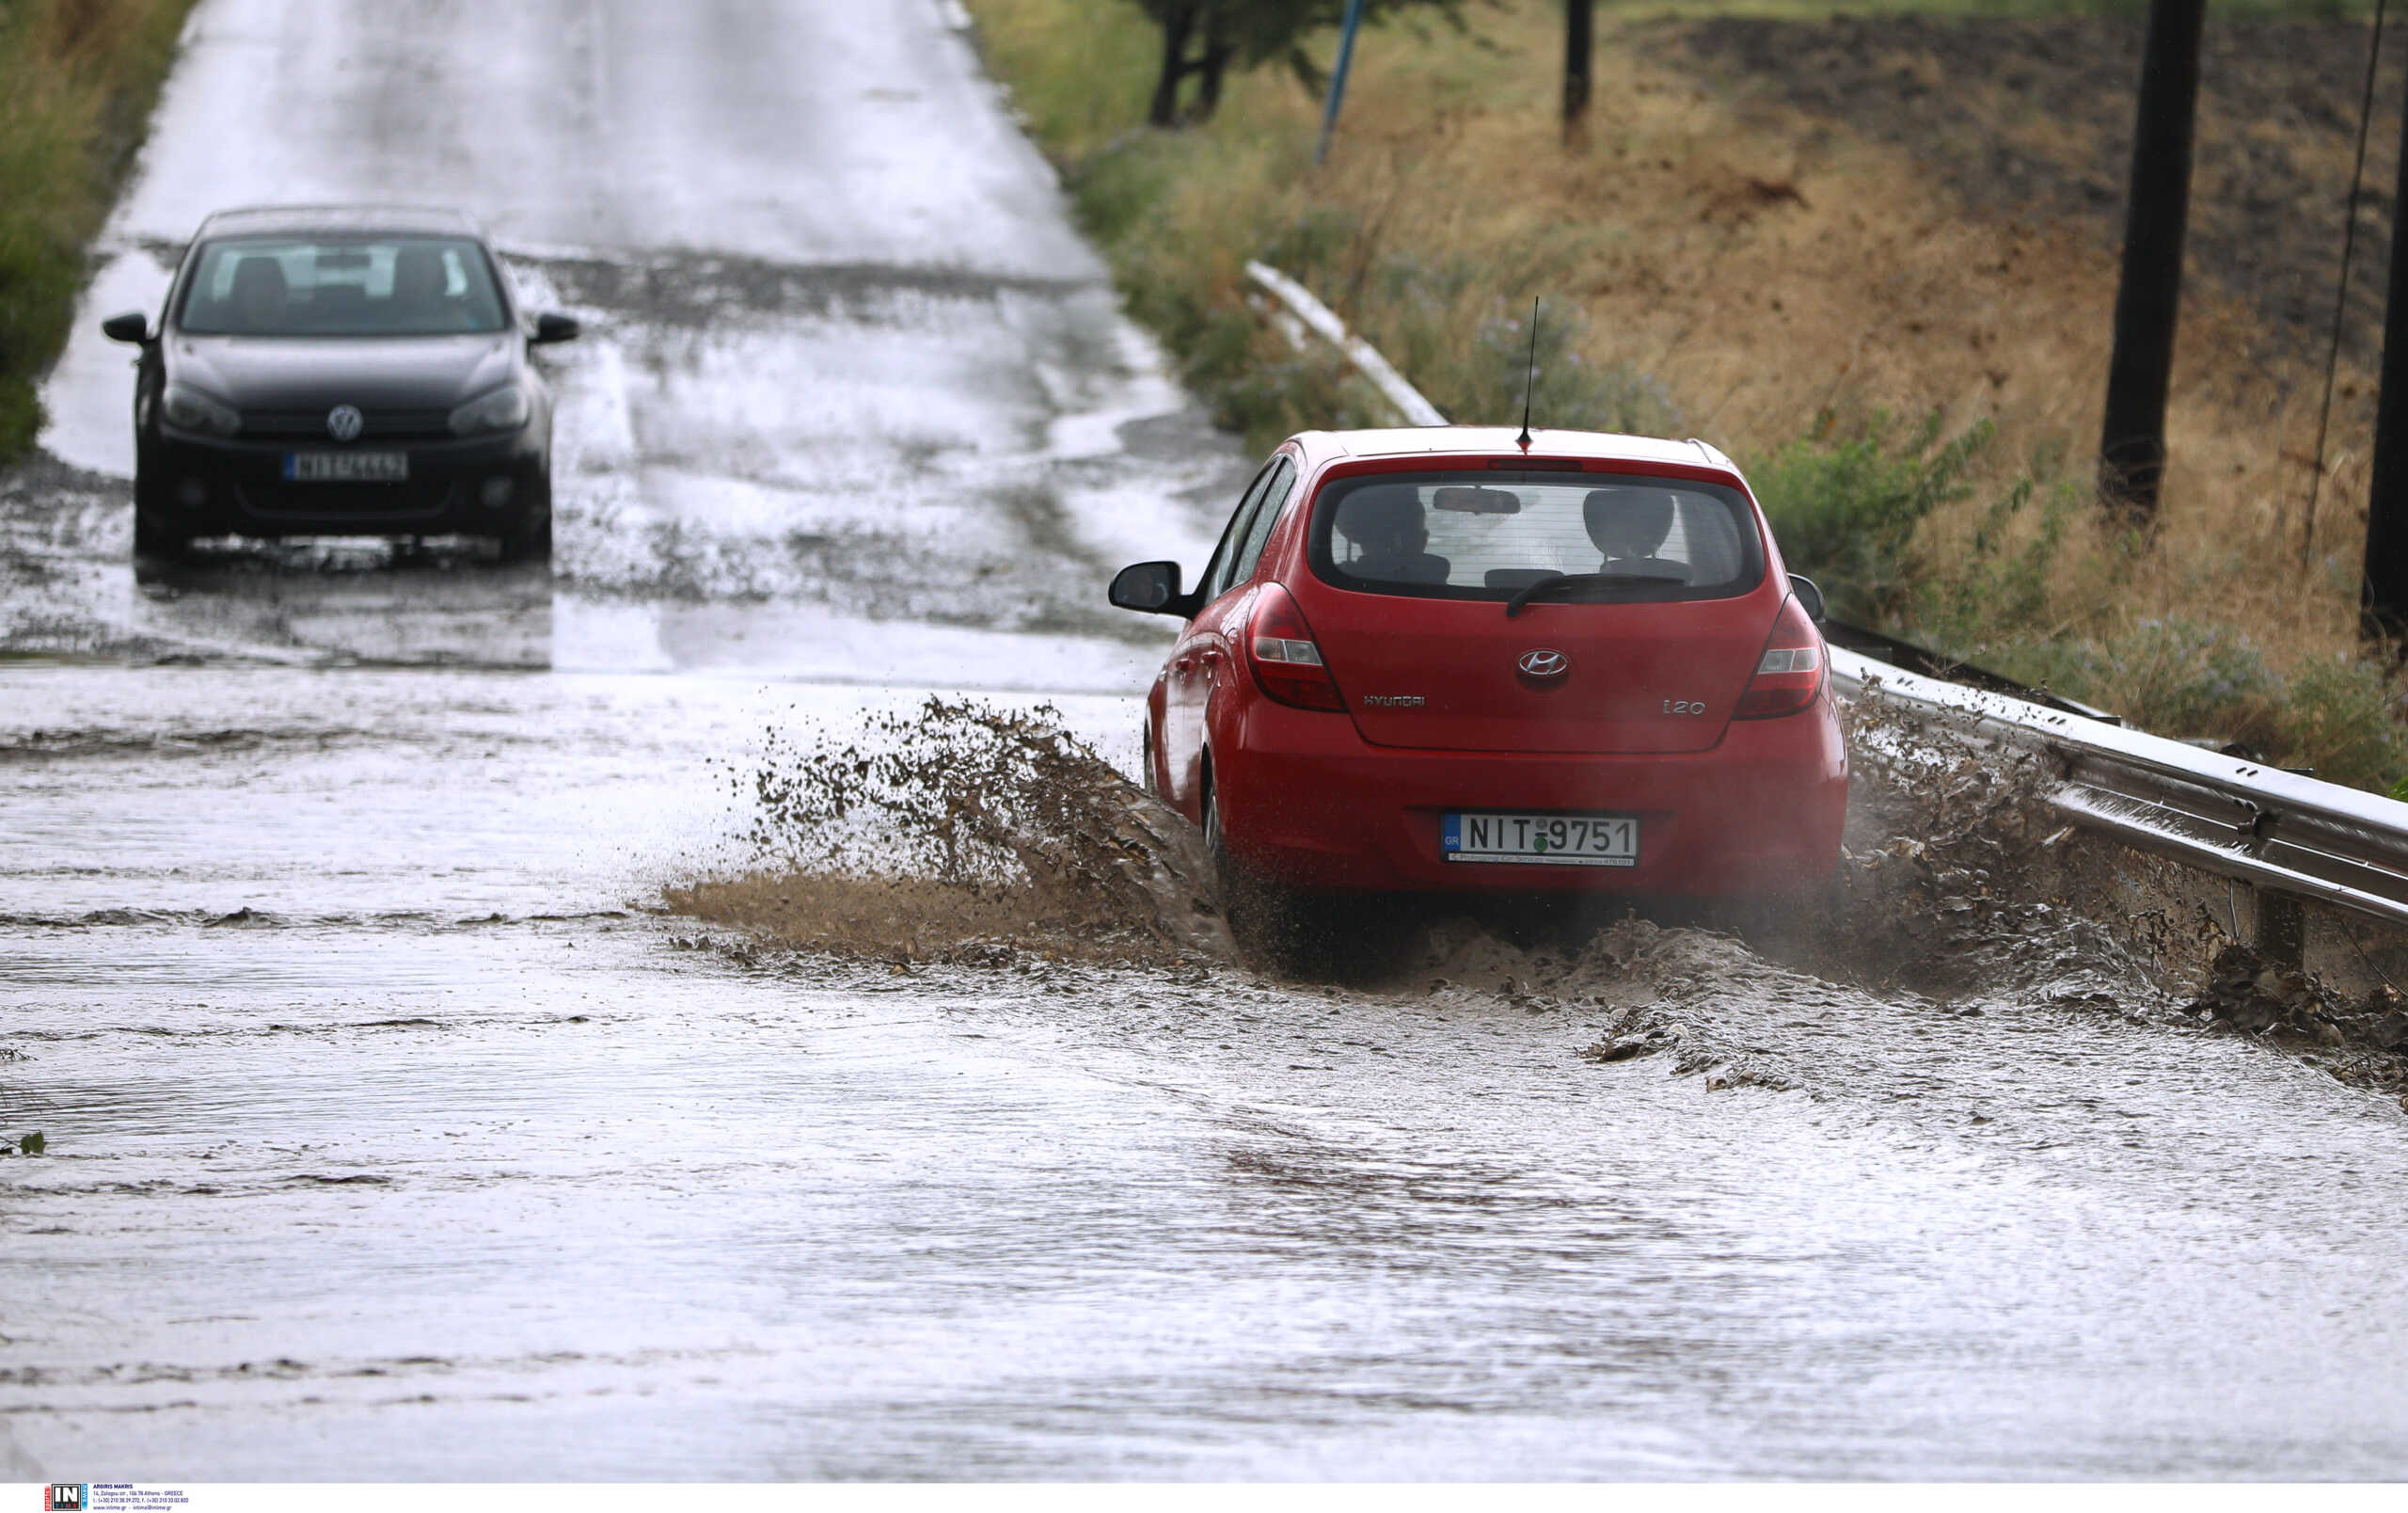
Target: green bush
{"points": [[1999, 585], [2193, 680], [2179, 678], [79, 77], [2342, 719], [1844, 506]]}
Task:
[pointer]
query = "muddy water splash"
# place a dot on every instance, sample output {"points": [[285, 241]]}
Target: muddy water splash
{"points": [[1961, 881], [1963, 909], [960, 831]]}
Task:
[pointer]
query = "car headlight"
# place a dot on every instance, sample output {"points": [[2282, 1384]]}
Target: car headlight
{"points": [[505, 409], [189, 409]]}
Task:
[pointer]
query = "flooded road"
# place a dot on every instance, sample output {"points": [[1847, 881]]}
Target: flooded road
{"points": [[393, 1131]]}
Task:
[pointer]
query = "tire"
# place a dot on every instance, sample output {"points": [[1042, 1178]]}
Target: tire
{"points": [[1266, 921], [1802, 914], [530, 537], [154, 538]]}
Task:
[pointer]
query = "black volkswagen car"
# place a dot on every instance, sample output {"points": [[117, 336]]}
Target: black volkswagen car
{"points": [[342, 370]]}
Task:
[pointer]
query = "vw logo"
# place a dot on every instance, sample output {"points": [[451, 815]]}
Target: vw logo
{"points": [[343, 423], [1544, 663]]}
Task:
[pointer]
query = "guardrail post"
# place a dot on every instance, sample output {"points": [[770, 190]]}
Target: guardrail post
{"points": [[2279, 928]]}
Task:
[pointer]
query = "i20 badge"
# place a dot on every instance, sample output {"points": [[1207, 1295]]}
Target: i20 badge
{"points": [[1542, 661]]}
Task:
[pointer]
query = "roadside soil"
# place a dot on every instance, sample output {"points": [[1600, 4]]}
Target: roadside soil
{"points": [[2030, 122]]}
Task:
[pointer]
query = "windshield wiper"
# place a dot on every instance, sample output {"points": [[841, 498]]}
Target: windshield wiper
{"points": [[1547, 587]]}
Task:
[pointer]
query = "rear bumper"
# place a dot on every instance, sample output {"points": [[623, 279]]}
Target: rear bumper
{"points": [[1306, 800], [200, 488]]}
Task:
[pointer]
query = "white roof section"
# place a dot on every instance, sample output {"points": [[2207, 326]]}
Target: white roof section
{"points": [[275, 219], [1490, 440]]}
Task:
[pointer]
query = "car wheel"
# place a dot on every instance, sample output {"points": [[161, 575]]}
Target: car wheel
{"points": [[530, 537], [1801, 912], [1266, 921], [153, 537]]}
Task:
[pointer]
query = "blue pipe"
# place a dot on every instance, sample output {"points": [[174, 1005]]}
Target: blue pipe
{"points": [[1338, 80]]}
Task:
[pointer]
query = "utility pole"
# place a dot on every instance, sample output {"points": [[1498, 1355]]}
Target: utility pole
{"points": [[2131, 446], [1580, 47], [2383, 591]]}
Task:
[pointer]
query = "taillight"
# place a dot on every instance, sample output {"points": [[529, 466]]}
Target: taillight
{"points": [[1790, 673], [1279, 647]]}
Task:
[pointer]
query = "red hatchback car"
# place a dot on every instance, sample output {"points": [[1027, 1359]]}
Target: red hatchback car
{"points": [[1445, 661]]}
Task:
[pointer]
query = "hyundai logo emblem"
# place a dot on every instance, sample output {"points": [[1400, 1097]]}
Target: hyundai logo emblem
{"points": [[1544, 663], [344, 421]]}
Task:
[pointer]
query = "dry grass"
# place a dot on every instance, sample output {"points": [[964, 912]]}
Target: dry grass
{"points": [[79, 77], [1772, 273]]}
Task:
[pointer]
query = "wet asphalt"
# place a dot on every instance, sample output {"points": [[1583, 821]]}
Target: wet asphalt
{"points": [[393, 1132]]}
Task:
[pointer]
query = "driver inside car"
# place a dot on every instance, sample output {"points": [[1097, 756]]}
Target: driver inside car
{"points": [[1390, 536], [261, 296], [1628, 526], [420, 292]]}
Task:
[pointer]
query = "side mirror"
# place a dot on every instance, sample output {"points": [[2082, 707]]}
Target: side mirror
{"points": [[1810, 599], [132, 327], [1150, 588], [553, 327]]}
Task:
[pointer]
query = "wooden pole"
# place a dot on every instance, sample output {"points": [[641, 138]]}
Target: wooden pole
{"points": [[2384, 591], [2131, 446], [1580, 49]]}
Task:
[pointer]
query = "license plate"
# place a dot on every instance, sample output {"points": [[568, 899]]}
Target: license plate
{"points": [[347, 467], [1541, 839]]}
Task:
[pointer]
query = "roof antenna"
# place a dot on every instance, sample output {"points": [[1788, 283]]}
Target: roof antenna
{"points": [[1531, 380]]}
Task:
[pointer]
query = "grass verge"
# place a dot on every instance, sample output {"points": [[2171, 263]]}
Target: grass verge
{"points": [[1912, 380], [79, 77]]}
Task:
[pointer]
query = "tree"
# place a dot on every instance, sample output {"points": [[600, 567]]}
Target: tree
{"points": [[1202, 38]]}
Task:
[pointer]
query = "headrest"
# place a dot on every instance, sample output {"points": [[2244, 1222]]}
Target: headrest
{"points": [[419, 270], [1376, 516], [258, 276], [1639, 515]]}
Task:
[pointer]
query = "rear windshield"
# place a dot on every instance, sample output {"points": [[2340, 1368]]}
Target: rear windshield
{"points": [[1487, 535], [341, 286]]}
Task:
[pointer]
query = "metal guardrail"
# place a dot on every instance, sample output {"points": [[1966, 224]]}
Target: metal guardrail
{"points": [[1323, 322], [2240, 819], [1882, 646], [2290, 836]]}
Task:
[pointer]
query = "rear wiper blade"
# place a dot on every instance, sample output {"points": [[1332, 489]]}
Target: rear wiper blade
{"points": [[1548, 587]]}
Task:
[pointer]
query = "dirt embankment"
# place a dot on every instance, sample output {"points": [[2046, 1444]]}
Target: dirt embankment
{"points": [[2031, 120]]}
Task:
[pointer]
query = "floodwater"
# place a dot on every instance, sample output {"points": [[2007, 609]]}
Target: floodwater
{"points": [[392, 1132]]}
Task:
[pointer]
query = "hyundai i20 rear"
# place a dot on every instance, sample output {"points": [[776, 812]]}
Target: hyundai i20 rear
{"points": [[1440, 660]]}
